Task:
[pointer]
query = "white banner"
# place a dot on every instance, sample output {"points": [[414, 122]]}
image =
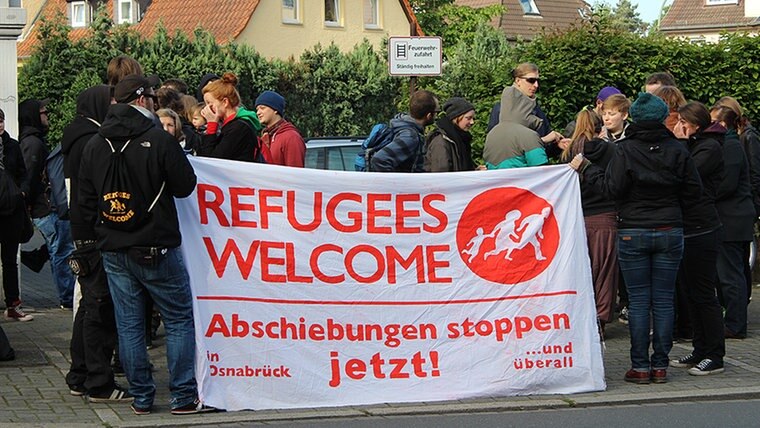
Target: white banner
{"points": [[321, 288]]}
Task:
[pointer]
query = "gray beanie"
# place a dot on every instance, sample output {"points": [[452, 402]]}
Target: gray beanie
{"points": [[648, 108], [457, 106]]}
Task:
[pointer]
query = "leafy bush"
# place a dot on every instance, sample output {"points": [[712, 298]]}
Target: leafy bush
{"points": [[333, 93]]}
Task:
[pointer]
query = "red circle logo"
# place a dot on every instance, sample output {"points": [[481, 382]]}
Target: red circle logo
{"points": [[508, 235]]}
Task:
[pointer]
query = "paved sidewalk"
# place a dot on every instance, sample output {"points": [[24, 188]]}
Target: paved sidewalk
{"points": [[33, 390]]}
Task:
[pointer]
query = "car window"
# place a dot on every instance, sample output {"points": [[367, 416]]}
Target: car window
{"points": [[315, 158], [342, 158]]}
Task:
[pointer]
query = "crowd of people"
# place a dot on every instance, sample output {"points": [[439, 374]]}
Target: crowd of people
{"points": [[670, 192]]}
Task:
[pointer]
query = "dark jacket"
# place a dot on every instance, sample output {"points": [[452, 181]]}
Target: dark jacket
{"points": [[544, 129], [236, 141], [35, 150], [594, 202], [707, 153], [448, 148], [734, 197], [11, 225], [92, 107], [650, 176], [750, 140], [154, 158], [406, 152]]}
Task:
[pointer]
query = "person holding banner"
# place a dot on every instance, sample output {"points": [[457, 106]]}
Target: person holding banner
{"points": [[650, 177]]}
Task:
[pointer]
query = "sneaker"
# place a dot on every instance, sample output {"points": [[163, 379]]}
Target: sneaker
{"points": [[659, 376], [636, 376], [139, 411], [685, 362], [16, 313], [706, 367], [624, 315], [77, 390], [193, 408], [115, 395]]}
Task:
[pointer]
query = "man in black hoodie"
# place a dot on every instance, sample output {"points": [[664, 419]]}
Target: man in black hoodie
{"points": [[33, 122], [145, 260], [93, 336]]}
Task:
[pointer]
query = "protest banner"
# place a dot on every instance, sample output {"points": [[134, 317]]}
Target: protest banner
{"points": [[328, 288]]}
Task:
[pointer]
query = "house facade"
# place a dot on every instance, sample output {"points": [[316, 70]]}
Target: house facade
{"points": [[704, 20], [524, 19], [275, 28]]}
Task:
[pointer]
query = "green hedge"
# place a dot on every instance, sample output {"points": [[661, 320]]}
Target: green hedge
{"points": [[334, 93]]}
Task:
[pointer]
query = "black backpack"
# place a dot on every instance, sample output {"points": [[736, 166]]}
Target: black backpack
{"points": [[121, 204]]}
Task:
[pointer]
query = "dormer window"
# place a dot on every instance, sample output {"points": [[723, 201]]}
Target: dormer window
{"points": [[127, 11], [79, 13], [720, 2], [529, 7]]}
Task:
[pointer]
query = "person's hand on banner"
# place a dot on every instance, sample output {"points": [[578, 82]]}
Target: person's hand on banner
{"points": [[579, 163]]}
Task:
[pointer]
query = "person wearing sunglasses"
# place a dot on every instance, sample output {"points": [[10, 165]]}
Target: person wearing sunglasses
{"points": [[54, 226], [527, 80]]}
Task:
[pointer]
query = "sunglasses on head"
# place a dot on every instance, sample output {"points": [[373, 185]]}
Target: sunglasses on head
{"points": [[531, 80]]}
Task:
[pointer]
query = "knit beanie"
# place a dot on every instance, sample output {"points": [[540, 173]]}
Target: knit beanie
{"points": [[648, 108], [606, 92], [456, 107], [272, 100]]}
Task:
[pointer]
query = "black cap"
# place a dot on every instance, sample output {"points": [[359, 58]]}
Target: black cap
{"points": [[130, 88]]}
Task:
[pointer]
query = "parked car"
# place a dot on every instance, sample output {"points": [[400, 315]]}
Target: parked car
{"points": [[336, 153]]}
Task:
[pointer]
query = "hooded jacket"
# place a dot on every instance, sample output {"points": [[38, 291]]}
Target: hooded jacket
{"points": [[448, 148], [154, 158], [734, 197], [514, 143], [650, 177], [35, 151], [13, 162], [406, 152], [92, 107], [286, 146], [750, 140], [236, 141], [593, 202], [707, 154]]}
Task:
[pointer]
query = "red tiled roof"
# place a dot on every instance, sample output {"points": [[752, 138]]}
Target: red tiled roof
{"points": [[555, 14], [695, 14], [225, 19], [48, 10]]}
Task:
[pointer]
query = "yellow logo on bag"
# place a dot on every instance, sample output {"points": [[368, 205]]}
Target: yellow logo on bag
{"points": [[118, 212]]}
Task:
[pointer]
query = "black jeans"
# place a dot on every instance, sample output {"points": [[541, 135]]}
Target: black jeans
{"points": [[94, 334], [8, 253], [701, 278], [733, 285]]}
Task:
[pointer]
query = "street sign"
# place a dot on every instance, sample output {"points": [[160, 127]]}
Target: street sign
{"points": [[414, 56]]}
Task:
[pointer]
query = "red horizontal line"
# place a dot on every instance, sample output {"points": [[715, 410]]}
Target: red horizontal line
{"points": [[382, 302]]}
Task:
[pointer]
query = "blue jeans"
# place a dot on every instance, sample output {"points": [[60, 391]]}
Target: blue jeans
{"points": [[168, 285], [57, 234], [649, 259]]}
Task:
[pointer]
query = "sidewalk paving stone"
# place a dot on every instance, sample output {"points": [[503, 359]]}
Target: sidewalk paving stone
{"points": [[33, 389]]}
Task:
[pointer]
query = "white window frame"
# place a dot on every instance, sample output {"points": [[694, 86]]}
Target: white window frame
{"points": [[533, 8], [295, 17], [121, 19], [72, 8], [338, 18], [373, 25], [720, 2]]}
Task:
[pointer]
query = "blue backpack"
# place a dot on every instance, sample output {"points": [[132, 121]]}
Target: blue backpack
{"points": [[58, 194], [380, 136]]}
